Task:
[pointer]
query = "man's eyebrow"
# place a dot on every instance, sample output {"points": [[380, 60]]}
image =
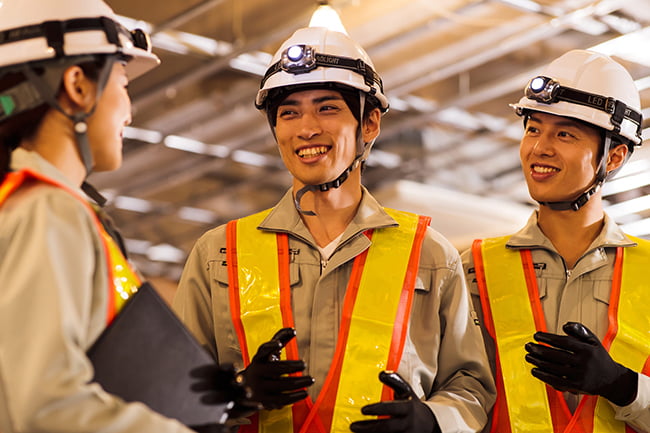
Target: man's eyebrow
{"points": [[318, 100]]}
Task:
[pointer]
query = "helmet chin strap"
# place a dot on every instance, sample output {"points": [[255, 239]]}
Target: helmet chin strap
{"points": [[361, 147], [583, 198]]}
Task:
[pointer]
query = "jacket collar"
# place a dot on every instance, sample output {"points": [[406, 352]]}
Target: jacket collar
{"points": [[531, 236], [285, 218]]}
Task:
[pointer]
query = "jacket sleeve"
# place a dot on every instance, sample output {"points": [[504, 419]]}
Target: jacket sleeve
{"points": [[463, 389], [52, 270], [637, 413], [192, 300]]}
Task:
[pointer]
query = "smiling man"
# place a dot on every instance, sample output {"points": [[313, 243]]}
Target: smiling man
{"points": [[367, 289], [570, 279]]}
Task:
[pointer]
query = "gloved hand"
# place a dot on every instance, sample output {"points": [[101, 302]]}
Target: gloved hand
{"points": [[578, 362], [266, 376], [218, 385], [406, 414], [210, 428]]}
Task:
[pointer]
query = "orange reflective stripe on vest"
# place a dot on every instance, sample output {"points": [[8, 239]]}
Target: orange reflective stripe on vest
{"points": [[122, 280], [510, 302], [260, 298]]}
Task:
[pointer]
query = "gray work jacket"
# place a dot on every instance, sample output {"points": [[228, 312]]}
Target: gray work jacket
{"points": [[580, 295], [443, 359]]}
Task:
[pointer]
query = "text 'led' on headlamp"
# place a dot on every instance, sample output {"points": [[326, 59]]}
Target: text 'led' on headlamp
{"points": [[298, 59], [543, 89]]}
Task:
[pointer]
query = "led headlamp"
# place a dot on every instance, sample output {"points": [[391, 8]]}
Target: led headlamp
{"points": [[300, 59], [543, 89], [547, 90]]}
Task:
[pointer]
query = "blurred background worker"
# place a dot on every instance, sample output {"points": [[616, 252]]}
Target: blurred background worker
{"points": [[366, 288], [64, 70], [570, 279]]}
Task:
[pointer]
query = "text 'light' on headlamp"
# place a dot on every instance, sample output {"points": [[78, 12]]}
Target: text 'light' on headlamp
{"points": [[542, 89], [298, 59]]}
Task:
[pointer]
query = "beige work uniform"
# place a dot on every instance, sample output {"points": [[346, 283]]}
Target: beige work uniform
{"points": [[578, 295], [443, 356], [53, 305]]}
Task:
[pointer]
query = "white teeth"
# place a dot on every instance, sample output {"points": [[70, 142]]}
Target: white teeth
{"points": [[310, 152], [539, 169]]}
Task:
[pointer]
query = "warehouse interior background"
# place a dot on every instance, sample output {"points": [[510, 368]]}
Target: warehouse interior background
{"points": [[199, 154]]}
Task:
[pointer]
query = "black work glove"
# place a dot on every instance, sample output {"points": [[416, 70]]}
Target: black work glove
{"points": [[219, 385], [406, 414], [267, 376], [578, 362], [210, 428]]}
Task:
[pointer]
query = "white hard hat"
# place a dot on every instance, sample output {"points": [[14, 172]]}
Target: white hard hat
{"points": [[588, 86], [37, 30], [315, 55]]}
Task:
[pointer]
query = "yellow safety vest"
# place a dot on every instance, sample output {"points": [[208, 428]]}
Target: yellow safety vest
{"points": [[513, 313], [122, 280], [260, 301]]}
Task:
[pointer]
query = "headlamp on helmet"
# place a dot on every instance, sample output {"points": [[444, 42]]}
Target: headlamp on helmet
{"points": [[298, 59], [547, 90]]}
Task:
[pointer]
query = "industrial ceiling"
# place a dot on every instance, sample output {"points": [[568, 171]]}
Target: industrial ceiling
{"points": [[199, 154]]}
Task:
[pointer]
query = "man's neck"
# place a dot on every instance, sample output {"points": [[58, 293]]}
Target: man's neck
{"points": [[571, 232], [334, 210]]}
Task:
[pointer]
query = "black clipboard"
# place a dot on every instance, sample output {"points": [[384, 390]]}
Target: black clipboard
{"points": [[146, 354]]}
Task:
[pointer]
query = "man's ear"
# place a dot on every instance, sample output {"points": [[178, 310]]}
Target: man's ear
{"points": [[77, 90], [616, 157], [371, 125]]}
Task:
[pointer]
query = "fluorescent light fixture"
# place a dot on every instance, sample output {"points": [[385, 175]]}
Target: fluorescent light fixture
{"points": [[255, 63], [637, 228], [632, 46], [197, 215], [642, 83], [145, 135], [184, 143], [132, 204], [165, 253], [384, 159], [137, 246], [250, 158], [526, 5], [326, 16], [634, 205], [627, 183]]}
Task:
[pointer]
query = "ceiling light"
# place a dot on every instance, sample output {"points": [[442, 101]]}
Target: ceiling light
{"points": [[637, 228], [132, 204], [634, 205], [631, 47], [326, 16], [145, 135], [250, 158]]}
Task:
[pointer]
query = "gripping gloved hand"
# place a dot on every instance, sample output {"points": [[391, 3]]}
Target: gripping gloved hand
{"points": [[218, 385], [267, 376], [405, 414], [578, 362]]}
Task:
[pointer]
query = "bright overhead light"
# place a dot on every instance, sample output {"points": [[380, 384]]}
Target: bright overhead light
{"points": [[637, 228], [197, 215], [145, 135], [133, 204], [627, 183], [250, 158], [628, 207], [326, 16], [632, 47]]}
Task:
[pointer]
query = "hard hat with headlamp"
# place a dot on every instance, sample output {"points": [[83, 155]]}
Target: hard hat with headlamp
{"points": [[593, 88], [317, 57], [40, 39]]}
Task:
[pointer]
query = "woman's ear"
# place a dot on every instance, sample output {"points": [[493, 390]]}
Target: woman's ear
{"points": [[77, 90], [371, 125], [616, 157]]}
